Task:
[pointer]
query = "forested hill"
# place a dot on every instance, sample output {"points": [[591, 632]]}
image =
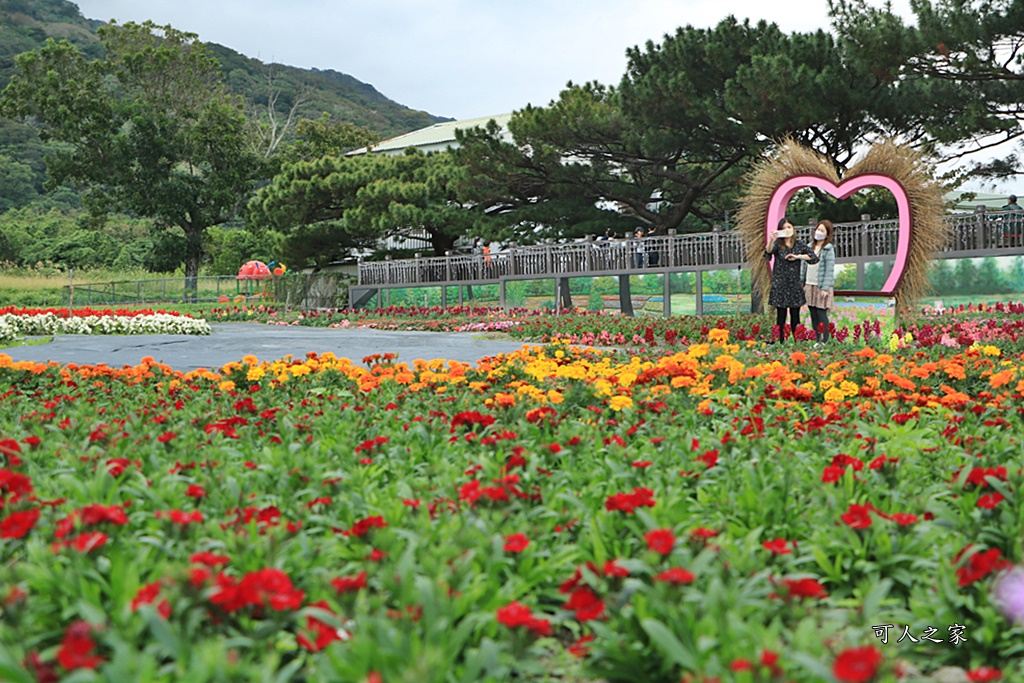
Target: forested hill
{"points": [[26, 24]]}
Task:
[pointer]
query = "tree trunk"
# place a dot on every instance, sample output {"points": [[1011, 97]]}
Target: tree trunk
{"points": [[564, 296], [625, 297], [193, 256], [756, 294]]}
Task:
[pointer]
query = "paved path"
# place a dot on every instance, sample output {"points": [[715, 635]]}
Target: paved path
{"points": [[230, 341]]}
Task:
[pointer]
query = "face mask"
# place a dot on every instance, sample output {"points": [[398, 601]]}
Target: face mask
{"points": [[820, 235]]}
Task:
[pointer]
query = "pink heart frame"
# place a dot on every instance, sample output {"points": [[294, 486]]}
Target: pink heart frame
{"points": [[784, 192]]}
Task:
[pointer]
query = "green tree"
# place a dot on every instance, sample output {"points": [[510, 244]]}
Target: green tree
{"points": [[148, 129], [356, 201], [687, 120], [17, 183], [941, 277], [316, 138], [958, 71], [1015, 276], [965, 274], [229, 248], [990, 278]]}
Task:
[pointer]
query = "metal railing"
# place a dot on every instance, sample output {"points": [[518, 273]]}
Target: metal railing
{"points": [[303, 290], [971, 235]]}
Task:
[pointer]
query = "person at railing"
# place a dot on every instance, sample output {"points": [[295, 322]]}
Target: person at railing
{"points": [[787, 292], [1010, 225], [653, 257], [639, 257], [819, 279]]}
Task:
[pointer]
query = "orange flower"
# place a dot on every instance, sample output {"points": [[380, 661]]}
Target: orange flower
{"points": [[867, 352]]}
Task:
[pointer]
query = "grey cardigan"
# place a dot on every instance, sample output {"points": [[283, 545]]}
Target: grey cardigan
{"points": [[826, 269]]}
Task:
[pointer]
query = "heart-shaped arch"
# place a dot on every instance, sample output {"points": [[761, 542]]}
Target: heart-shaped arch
{"points": [[780, 200]]}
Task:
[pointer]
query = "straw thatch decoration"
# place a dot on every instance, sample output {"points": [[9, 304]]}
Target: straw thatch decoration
{"points": [[929, 231]]}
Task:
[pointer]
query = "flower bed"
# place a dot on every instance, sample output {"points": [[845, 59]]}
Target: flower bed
{"points": [[16, 322], [724, 511]]}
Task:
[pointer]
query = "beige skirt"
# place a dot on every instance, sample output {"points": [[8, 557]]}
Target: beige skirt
{"points": [[819, 298]]}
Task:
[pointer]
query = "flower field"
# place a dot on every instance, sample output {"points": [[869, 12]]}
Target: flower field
{"points": [[724, 511], [15, 322]]}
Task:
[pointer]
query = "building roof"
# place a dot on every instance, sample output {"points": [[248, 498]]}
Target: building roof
{"points": [[435, 135], [992, 202]]}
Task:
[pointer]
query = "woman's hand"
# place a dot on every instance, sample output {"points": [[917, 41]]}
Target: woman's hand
{"points": [[801, 257]]}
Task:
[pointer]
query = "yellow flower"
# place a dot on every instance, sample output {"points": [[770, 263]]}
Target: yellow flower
{"points": [[991, 351], [555, 396], [617, 403], [227, 385], [834, 395], [718, 335], [699, 350]]}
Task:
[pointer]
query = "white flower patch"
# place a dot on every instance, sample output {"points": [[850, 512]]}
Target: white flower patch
{"points": [[50, 324]]}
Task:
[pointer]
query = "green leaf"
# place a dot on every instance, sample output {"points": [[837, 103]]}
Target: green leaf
{"points": [[669, 646]]}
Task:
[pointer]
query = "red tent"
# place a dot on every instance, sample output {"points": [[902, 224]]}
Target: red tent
{"points": [[254, 270]]}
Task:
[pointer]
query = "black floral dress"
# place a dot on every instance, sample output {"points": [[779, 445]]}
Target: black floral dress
{"points": [[787, 285]]}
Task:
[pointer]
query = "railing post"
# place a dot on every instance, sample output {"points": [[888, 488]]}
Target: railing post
{"points": [[447, 266], [700, 292], [980, 234], [549, 266], [590, 253], [672, 247]]}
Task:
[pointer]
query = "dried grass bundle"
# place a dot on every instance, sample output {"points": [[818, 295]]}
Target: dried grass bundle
{"points": [[929, 231]]}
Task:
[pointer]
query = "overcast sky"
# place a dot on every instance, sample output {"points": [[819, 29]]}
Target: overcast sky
{"points": [[456, 58]]}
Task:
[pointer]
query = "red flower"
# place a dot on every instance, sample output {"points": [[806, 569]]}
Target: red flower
{"points": [[88, 541], [903, 518], [376, 555], [805, 588], [350, 583], [585, 603], [195, 491], [703, 533], [979, 565], [613, 568], [256, 589], [209, 559], [779, 546], [990, 500], [676, 575], [324, 634], [77, 650], [363, 526], [984, 674], [660, 540], [832, 474], [740, 664], [516, 543], [857, 665], [18, 524], [857, 517], [515, 614], [628, 502], [579, 647]]}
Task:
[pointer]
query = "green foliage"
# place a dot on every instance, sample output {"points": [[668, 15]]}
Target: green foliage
{"points": [[148, 129], [669, 146], [956, 72], [229, 248], [332, 205]]}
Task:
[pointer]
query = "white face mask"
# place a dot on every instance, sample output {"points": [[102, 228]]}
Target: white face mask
{"points": [[820, 234]]}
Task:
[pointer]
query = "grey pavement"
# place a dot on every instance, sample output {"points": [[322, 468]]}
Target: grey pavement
{"points": [[230, 341]]}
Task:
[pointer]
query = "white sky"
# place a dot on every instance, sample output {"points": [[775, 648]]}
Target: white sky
{"points": [[456, 58]]}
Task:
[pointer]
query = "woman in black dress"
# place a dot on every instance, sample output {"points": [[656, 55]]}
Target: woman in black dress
{"points": [[787, 286]]}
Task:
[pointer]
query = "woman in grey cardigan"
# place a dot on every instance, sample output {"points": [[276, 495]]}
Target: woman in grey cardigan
{"points": [[820, 279]]}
